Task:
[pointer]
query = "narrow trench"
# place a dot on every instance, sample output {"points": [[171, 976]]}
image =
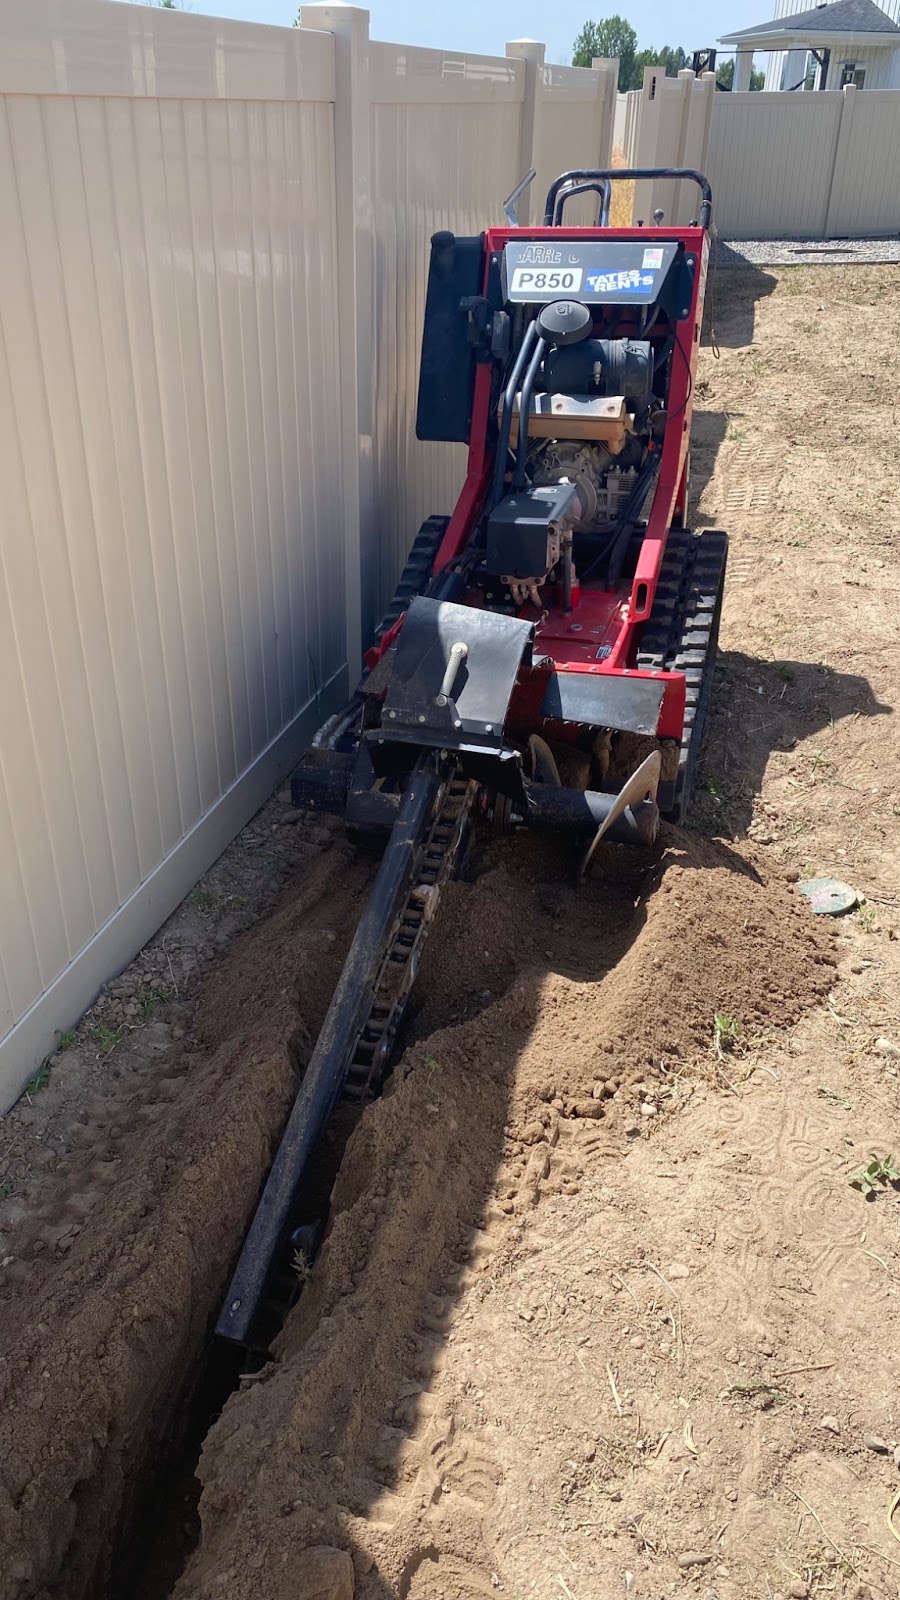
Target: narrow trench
{"points": [[163, 1530]]}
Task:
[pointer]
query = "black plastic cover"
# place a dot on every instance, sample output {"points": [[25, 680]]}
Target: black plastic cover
{"points": [[447, 367], [475, 711], [519, 530]]}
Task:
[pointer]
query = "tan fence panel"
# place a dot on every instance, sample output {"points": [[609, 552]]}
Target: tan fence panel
{"points": [[445, 153], [865, 192], [625, 130], [771, 158], [574, 129], [171, 586]]}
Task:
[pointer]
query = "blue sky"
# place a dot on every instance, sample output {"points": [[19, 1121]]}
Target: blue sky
{"points": [[486, 24]]}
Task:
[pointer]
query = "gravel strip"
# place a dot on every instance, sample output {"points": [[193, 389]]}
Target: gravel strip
{"points": [[802, 252]]}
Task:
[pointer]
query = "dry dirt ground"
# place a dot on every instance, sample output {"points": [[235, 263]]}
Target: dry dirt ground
{"points": [[599, 1313]]}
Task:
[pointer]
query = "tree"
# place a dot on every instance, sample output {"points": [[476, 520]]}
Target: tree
{"points": [[610, 38], [616, 37], [725, 76], [674, 61]]}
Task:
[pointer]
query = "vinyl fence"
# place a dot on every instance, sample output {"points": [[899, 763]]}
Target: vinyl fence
{"points": [[782, 166], [211, 292], [806, 166]]}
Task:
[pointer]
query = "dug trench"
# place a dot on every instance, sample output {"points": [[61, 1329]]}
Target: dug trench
{"points": [[550, 1027]]}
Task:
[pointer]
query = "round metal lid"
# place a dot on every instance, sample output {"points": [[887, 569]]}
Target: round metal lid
{"points": [[828, 897]]}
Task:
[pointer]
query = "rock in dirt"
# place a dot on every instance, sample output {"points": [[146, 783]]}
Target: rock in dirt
{"points": [[326, 1574], [798, 1590], [677, 1269], [886, 1047], [831, 1424], [880, 1446], [693, 1558]]}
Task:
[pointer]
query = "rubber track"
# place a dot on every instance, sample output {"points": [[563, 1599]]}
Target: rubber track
{"points": [[681, 636], [415, 575]]}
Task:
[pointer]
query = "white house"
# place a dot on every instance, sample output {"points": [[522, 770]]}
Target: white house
{"points": [[825, 47]]}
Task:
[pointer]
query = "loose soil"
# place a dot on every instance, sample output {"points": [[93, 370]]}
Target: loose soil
{"points": [[598, 1312]]}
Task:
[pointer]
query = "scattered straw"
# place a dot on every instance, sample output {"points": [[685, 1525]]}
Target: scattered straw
{"points": [[615, 1392]]}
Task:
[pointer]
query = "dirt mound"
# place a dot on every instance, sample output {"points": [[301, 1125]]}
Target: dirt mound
{"points": [[106, 1300], [386, 1426]]}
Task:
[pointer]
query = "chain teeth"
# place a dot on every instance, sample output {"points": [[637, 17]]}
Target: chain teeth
{"points": [[437, 857]]}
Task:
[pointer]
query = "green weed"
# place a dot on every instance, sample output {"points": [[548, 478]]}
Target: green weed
{"points": [[67, 1039], [431, 1066], [41, 1078], [106, 1039], [726, 1033], [818, 761], [881, 1169]]}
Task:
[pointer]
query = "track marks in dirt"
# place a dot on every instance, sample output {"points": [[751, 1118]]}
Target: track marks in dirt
{"points": [[750, 478], [431, 1575]]}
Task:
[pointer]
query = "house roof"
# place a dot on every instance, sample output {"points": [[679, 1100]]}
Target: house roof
{"points": [[839, 17]]}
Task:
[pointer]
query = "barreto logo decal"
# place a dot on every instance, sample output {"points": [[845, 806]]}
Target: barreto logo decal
{"points": [[540, 255]]}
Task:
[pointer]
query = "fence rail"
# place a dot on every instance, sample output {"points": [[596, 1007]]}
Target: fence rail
{"points": [[211, 292]]}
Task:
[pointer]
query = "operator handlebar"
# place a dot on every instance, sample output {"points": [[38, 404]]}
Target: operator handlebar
{"points": [[581, 178]]}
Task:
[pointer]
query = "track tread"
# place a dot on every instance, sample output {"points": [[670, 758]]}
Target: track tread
{"points": [[415, 576], [681, 636]]}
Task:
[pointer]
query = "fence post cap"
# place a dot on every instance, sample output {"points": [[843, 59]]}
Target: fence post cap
{"points": [[526, 49]]}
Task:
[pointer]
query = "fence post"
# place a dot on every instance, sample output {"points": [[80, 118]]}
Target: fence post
{"points": [[659, 141], [531, 206], [607, 70], [701, 92], [355, 280], [837, 187]]}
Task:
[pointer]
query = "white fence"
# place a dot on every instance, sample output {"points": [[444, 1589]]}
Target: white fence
{"points": [[211, 291], [797, 166]]}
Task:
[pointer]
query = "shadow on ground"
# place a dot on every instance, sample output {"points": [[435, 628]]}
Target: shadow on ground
{"points": [[731, 300], [757, 708]]}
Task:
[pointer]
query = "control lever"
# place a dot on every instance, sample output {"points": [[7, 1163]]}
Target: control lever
{"points": [[510, 207], [458, 653]]}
